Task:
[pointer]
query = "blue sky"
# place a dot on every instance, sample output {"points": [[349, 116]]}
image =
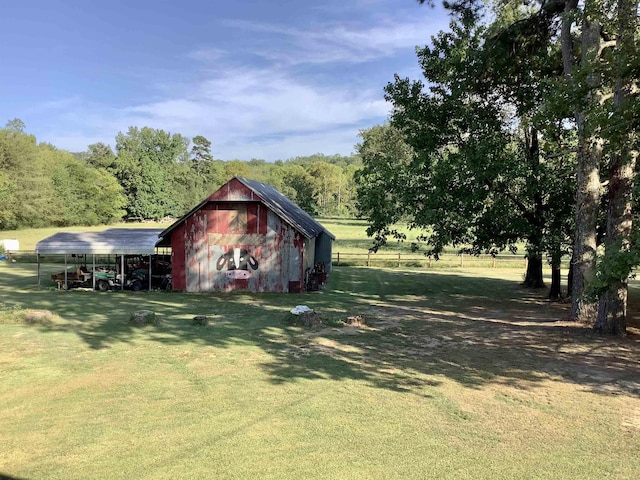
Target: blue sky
{"points": [[270, 79]]}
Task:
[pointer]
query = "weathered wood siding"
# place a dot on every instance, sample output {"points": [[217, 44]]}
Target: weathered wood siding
{"points": [[237, 243]]}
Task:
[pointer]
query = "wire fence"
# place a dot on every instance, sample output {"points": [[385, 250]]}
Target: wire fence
{"points": [[368, 259], [387, 259]]}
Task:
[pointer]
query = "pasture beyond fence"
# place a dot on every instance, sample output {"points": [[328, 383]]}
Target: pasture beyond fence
{"points": [[368, 259], [447, 260]]}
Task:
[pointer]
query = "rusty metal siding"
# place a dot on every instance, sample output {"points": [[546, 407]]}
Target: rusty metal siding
{"points": [[195, 245], [309, 253], [178, 259], [239, 246], [234, 190]]}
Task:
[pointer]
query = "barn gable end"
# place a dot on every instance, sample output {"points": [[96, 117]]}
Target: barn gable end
{"points": [[244, 236]]}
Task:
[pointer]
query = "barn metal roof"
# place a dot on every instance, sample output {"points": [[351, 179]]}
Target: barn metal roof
{"points": [[123, 241], [286, 209], [276, 201]]}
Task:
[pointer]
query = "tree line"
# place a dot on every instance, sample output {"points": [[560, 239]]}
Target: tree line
{"points": [[524, 129], [150, 175]]}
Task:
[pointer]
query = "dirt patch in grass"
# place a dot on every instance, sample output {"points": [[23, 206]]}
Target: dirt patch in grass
{"points": [[507, 340], [519, 340]]}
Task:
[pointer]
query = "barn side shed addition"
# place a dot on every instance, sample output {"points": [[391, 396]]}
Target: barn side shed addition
{"points": [[247, 236]]}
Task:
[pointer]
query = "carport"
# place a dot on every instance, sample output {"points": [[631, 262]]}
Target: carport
{"points": [[112, 241]]}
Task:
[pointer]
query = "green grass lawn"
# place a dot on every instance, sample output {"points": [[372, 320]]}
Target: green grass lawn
{"points": [[457, 375]]}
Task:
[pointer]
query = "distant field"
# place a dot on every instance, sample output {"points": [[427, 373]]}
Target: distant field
{"points": [[350, 248], [459, 375], [350, 233]]}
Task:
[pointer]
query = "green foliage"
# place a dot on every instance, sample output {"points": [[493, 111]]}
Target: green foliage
{"points": [[100, 155], [386, 157], [40, 185], [297, 184], [88, 196], [16, 125], [465, 155], [327, 186], [236, 168], [616, 263], [145, 164], [7, 199], [201, 151], [152, 175]]}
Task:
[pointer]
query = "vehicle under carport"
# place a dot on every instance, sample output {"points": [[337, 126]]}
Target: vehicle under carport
{"points": [[120, 243]]}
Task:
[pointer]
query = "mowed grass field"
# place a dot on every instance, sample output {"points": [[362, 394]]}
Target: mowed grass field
{"points": [[457, 374]]}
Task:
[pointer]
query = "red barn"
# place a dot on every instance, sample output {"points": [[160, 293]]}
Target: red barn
{"points": [[247, 236]]}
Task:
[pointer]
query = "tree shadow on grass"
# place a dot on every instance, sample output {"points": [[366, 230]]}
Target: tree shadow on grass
{"points": [[422, 327]]}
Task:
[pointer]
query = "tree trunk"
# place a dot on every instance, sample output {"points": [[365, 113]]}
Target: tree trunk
{"points": [[555, 293], [533, 276], [584, 248], [612, 310], [613, 303], [588, 183]]}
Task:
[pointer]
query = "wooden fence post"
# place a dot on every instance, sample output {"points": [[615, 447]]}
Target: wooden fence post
{"points": [[338, 263], [369, 258], [462, 259], [398, 259]]}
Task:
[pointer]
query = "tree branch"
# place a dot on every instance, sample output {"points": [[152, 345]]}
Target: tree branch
{"points": [[605, 45]]}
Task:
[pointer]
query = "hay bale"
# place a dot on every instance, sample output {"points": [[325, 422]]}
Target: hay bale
{"points": [[200, 320], [144, 317], [38, 317]]}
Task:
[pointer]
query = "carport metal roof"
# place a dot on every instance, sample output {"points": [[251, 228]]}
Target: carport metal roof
{"points": [[122, 241]]}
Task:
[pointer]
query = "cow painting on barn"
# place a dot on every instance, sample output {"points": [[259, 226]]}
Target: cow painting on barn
{"points": [[237, 261], [238, 264], [246, 236]]}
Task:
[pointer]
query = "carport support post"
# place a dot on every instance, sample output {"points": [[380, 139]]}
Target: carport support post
{"points": [[66, 285], [38, 260], [93, 274], [149, 272], [122, 275]]}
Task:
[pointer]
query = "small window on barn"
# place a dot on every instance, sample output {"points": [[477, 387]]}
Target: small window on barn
{"points": [[238, 219]]}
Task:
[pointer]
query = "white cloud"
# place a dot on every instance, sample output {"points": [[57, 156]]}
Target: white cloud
{"points": [[343, 43], [256, 113], [273, 109]]}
